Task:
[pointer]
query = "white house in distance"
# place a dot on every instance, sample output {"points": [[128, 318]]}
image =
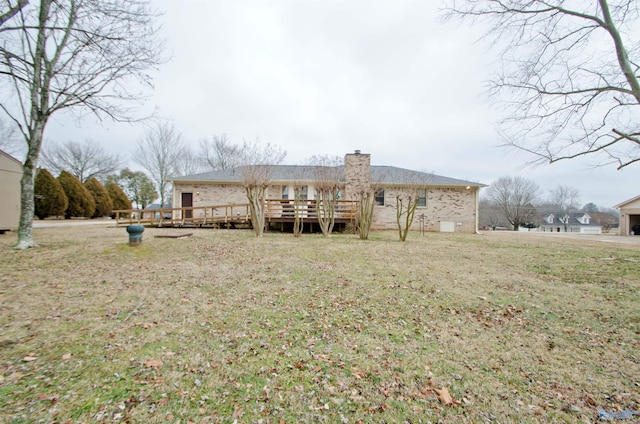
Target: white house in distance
{"points": [[444, 204], [570, 222], [10, 175], [629, 215]]}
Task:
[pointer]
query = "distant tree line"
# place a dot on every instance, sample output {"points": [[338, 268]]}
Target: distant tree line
{"points": [[514, 202]]}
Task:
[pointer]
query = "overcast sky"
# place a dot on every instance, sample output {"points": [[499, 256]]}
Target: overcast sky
{"points": [[328, 77]]}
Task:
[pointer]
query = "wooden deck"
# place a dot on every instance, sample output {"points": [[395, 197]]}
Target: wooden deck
{"points": [[230, 216]]}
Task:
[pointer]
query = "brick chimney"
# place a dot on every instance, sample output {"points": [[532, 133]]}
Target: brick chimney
{"points": [[357, 174]]}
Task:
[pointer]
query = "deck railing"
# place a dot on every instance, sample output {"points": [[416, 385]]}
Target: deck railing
{"points": [[281, 210], [193, 215]]}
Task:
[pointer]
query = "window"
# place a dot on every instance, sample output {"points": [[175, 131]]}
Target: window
{"points": [[304, 192], [285, 192], [379, 197], [422, 197]]}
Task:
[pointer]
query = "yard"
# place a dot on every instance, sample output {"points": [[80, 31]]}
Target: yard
{"points": [[225, 327]]}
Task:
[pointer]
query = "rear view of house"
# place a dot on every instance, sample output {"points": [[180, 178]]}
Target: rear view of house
{"points": [[443, 203], [10, 175]]}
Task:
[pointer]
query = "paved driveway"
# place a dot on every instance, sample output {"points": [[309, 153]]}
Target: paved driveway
{"points": [[629, 241], [50, 223]]}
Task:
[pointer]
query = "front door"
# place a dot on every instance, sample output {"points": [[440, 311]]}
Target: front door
{"points": [[187, 202]]}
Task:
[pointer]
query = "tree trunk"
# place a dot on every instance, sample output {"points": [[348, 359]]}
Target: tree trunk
{"points": [[408, 213], [325, 208], [365, 214], [256, 208], [27, 204], [298, 219]]}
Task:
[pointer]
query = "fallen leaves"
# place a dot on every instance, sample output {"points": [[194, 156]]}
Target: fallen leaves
{"points": [[446, 398], [153, 363]]}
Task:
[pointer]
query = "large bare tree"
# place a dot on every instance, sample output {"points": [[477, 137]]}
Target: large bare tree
{"points": [[565, 198], [73, 54], [258, 166], [218, 153], [84, 160], [159, 153], [516, 197], [569, 75]]}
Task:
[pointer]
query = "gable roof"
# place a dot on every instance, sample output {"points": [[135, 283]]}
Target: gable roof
{"points": [[626, 202], [14, 164], [574, 219], [383, 175]]}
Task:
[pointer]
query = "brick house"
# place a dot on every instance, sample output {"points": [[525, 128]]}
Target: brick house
{"points": [[444, 204]]}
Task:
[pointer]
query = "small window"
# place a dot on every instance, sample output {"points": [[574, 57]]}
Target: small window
{"points": [[285, 192], [422, 197], [379, 197], [304, 192]]}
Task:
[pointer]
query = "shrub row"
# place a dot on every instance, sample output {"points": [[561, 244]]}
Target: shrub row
{"points": [[67, 196]]}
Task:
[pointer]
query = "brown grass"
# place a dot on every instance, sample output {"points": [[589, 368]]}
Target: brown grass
{"points": [[226, 327]]}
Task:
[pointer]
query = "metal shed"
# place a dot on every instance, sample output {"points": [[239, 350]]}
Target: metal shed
{"points": [[10, 175]]}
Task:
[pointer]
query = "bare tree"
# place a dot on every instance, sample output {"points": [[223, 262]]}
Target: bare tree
{"points": [[406, 204], [74, 54], [159, 152], [84, 160], [299, 204], [565, 198], [189, 162], [9, 142], [327, 176], [219, 153], [515, 196], [366, 198], [258, 165], [569, 78], [408, 196], [12, 9], [491, 215]]}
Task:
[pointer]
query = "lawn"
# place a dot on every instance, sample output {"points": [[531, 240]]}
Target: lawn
{"points": [[226, 327]]}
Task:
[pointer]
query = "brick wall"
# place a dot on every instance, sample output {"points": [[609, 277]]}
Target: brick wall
{"points": [[443, 204], [357, 174]]}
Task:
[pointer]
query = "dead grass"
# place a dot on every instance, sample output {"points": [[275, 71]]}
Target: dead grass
{"points": [[225, 327]]}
